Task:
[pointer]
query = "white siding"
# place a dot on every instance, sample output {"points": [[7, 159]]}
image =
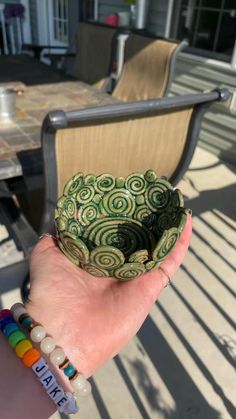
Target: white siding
{"points": [[157, 14], [218, 133]]}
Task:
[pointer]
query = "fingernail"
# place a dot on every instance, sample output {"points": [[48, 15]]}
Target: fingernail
{"points": [[190, 211]]}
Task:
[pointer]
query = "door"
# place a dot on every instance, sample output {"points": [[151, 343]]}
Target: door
{"points": [[58, 23]]}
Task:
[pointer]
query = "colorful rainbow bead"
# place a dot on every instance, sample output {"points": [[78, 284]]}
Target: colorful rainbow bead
{"points": [[15, 338], [6, 320], [27, 322], [5, 313], [69, 371], [22, 347], [10, 328]]}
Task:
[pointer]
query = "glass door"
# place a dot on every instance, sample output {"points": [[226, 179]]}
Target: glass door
{"points": [[58, 22]]}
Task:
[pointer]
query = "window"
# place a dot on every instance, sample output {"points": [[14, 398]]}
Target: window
{"points": [[60, 20], [209, 26]]}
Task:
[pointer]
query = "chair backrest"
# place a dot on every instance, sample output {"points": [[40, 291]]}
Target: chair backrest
{"points": [[121, 139], [93, 60], [148, 68]]}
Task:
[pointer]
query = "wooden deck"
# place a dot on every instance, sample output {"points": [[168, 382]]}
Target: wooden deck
{"points": [[180, 364]]}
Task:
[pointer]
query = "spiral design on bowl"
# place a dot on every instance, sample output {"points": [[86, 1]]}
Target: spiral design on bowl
{"points": [[151, 265], [177, 199], [119, 227], [158, 195], [67, 254], [136, 184], [142, 213], [107, 257], [87, 214], [70, 207], [104, 183], [85, 194], [75, 247], [127, 235], [61, 223], [129, 271], [165, 244], [73, 185], [74, 228], [118, 202], [95, 271], [140, 256], [164, 222]]}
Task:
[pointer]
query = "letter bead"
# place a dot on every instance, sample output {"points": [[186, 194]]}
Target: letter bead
{"points": [[55, 392], [40, 367], [47, 379], [62, 402]]}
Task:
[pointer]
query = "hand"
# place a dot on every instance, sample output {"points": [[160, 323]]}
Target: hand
{"points": [[92, 318]]}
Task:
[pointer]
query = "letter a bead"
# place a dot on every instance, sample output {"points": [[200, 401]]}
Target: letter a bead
{"points": [[47, 379]]}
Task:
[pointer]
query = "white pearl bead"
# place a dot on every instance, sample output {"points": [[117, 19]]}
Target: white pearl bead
{"points": [[37, 334], [86, 390], [18, 312], [57, 356], [81, 386], [47, 345]]}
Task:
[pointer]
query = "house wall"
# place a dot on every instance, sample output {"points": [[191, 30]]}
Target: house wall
{"points": [[218, 133], [12, 1], [156, 15]]}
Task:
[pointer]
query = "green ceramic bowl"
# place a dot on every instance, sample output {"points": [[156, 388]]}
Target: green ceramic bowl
{"points": [[117, 227]]}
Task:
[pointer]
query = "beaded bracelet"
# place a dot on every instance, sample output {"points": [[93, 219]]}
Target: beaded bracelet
{"points": [[80, 385], [31, 357]]}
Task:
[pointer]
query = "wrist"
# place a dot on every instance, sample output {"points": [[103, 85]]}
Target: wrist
{"points": [[21, 395]]}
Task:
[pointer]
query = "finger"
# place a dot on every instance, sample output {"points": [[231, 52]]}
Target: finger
{"points": [[148, 286]]}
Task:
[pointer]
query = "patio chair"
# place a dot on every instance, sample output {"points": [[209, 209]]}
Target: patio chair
{"points": [[95, 45], [148, 68], [121, 138]]}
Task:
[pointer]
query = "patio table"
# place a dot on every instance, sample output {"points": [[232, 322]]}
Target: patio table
{"points": [[20, 152]]}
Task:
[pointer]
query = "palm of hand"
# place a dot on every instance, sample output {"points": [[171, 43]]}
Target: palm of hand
{"points": [[91, 318]]}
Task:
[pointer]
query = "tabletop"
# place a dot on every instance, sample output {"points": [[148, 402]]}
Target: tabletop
{"points": [[20, 139]]}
